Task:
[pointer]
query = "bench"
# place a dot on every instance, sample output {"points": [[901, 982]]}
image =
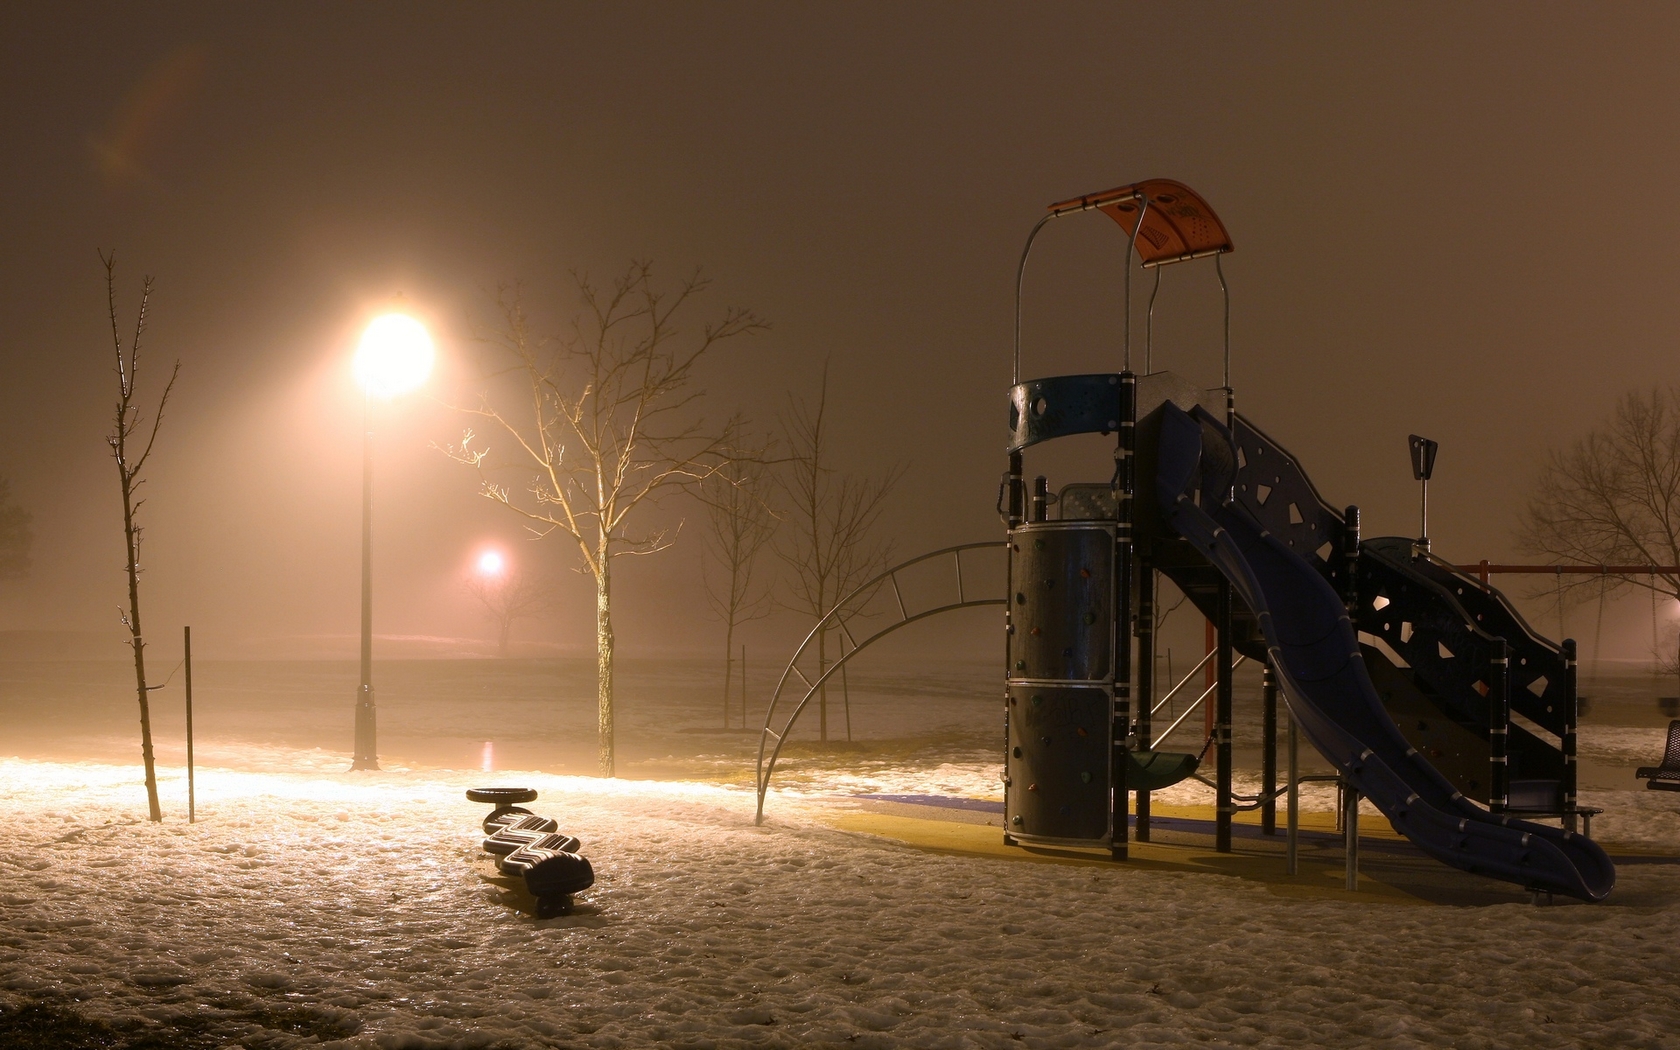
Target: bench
{"points": [[1665, 777]]}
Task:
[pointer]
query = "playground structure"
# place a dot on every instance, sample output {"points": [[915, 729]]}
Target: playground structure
{"points": [[1419, 683]]}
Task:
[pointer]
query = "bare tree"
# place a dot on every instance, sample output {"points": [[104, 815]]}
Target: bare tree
{"points": [[515, 593], [125, 434], [15, 536], [829, 546], [739, 525], [603, 425], [1613, 496]]}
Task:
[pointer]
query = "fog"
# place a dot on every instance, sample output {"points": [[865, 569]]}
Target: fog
{"points": [[1455, 222]]}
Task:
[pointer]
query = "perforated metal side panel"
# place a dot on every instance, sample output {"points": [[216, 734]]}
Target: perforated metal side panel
{"points": [[1061, 601], [1058, 763]]}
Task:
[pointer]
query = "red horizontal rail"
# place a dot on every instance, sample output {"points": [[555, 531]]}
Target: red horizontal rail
{"points": [[1490, 568]]}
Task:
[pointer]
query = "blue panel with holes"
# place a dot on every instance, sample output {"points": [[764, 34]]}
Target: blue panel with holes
{"points": [[1041, 409]]}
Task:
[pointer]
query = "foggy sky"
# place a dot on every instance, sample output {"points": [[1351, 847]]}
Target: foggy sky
{"points": [[1456, 221]]}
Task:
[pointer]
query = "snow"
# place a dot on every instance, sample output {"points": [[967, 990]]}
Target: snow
{"points": [[353, 906]]}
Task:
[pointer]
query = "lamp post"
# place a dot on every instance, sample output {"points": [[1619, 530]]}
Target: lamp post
{"points": [[1423, 465], [395, 356]]}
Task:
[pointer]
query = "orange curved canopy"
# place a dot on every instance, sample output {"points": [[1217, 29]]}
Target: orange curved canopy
{"points": [[1177, 225]]}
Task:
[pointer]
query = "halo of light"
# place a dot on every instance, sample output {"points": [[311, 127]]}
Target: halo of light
{"points": [[395, 356], [491, 563]]}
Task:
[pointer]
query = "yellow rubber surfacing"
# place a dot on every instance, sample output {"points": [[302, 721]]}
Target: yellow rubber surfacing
{"points": [[1317, 879]]}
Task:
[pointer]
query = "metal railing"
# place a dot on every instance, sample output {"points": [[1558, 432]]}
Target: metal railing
{"points": [[1238, 662]]}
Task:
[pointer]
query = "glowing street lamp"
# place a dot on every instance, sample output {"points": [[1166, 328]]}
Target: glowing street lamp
{"points": [[491, 564], [395, 357]]}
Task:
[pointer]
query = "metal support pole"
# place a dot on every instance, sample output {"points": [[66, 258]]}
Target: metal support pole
{"points": [[1423, 515], [1571, 714], [1499, 723], [367, 743], [1350, 562], [1145, 682], [186, 641], [1017, 493], [1016, 506], [1268, 751], [1210, 638], [1222, 724], [1350, 831], [1292, 841], [1225, 290], [1125, 560], [1131, 246], [1149, 327]]}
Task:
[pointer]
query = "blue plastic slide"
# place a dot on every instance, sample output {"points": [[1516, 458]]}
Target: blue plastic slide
{"points": [[1316, 655]]}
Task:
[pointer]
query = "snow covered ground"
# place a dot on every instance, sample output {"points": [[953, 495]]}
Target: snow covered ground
{"points": [[312, 906]]}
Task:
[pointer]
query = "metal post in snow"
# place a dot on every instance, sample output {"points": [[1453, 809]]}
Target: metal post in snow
{"points": [[1222, 725], [1350, 822], [1268, 751], [1292, 840], [186, 637], [1145, 682]]}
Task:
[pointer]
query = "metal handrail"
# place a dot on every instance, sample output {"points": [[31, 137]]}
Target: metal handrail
{"points": [[1182, 682], [1238, 662]]}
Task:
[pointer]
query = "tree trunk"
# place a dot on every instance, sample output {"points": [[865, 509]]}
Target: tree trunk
{"points": [[604, 656], [728, 667], [504, 632], [822, 690], [139, 648]]}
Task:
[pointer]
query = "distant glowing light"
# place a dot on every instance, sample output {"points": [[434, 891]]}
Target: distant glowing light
{"points": [[395, 356], [487, 760], [491, 563]]}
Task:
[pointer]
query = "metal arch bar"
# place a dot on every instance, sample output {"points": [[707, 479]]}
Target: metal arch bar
{"points": [[834, 613], [1090, 202], [766, 769], [1131, 246], [845, 632], [1149, 327], [1020, 278], [1219, 270]]}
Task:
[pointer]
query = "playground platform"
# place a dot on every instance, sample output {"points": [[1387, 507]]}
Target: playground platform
{"points": [[1392, 871]]}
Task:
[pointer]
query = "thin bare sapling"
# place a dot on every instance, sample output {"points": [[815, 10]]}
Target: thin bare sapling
{"points": [[131, 441]]}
